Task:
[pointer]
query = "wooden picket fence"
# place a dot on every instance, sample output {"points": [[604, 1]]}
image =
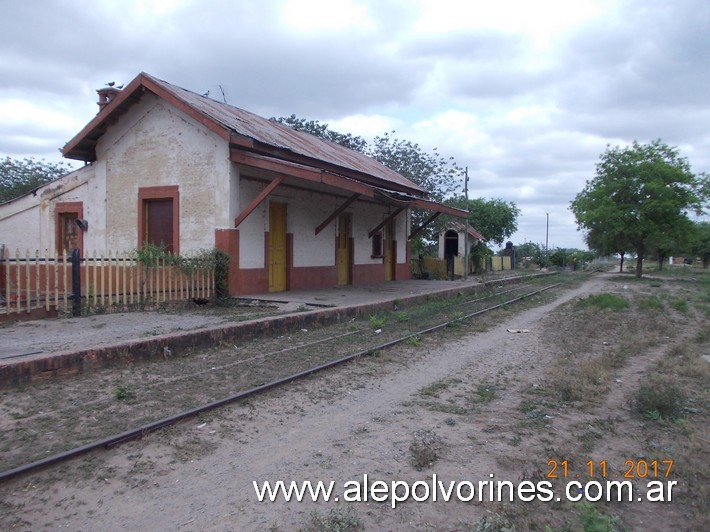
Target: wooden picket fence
{"points": [[109, 282]]}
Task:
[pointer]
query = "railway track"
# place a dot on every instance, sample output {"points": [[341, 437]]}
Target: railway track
{"points": [[205, 381]]}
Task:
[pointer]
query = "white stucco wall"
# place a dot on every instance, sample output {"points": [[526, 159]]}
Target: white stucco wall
{"points": [[304, 212], [368, 216], [20, 229], [251, 230], [155, 144], [461, 246], [29, 222]]}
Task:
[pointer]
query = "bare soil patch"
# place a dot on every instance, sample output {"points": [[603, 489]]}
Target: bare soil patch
{"points": [[464, 404]]}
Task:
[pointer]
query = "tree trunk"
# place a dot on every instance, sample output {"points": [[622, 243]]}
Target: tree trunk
{"points": [[639, 262], [621, 263]]}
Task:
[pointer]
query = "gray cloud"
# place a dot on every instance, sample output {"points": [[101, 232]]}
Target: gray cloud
{"points": [[536, 119]]}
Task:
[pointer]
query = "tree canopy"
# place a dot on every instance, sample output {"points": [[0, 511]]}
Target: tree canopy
{"points": [[638, 197], [314, 127], [18, 177], [531, 251], [699, 242], [495, 219], [431, 171]]}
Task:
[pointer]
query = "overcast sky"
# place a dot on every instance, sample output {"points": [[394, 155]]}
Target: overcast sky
{"points": [[525, 93]]}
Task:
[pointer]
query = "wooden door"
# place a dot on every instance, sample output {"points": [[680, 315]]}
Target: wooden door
{"points": [[344, 230], [70, 236], [277, 247], [159, 223], [390, 252]]}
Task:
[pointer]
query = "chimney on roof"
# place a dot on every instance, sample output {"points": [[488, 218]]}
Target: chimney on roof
{"points": [[106, 95]]}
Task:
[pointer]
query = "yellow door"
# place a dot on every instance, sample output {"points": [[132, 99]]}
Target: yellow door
{"points": [[390, 252], [344, 249], [277, 247]]}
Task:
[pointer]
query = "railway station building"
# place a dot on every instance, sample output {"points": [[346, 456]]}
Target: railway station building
{"points": [[168, 166]]}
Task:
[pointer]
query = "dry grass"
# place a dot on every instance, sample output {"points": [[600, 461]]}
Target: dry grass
{"points": [[681, 427], [425, 449], [602, 346]]}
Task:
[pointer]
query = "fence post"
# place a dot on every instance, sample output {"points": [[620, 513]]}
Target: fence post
{"points": [[76, 282]]}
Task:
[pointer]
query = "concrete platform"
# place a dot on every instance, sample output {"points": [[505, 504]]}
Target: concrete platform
{"points": [[42, 349], [343, 296]]}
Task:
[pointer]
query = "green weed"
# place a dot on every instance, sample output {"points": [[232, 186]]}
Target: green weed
{"points": [[605, 301], [595, 521], [660, 398], [377, 322], [414, 341], [485, 393], [434, 389], [401, 316], [650, 304], [681, 305], [123, 393]]}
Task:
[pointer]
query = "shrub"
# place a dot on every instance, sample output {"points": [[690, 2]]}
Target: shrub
{"points": [[123, 393], [336, 520], [377, 322], [424, 449], [221, 274], [660, 398], [595, 521]]}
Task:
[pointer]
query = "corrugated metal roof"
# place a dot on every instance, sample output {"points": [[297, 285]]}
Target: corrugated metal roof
{"points": [[283, 137]]}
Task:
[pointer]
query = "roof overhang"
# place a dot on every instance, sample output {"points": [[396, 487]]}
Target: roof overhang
{"points": [[317, 175]]}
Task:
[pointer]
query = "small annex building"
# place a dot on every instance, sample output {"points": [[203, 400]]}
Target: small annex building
{"points": [[452, 246], [452, 240], [168, 166]]}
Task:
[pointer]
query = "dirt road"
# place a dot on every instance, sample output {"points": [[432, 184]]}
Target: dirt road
{"points": [[339, 425]]}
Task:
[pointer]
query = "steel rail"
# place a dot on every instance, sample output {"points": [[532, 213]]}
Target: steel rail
{"points": [[139, 432], [213, 369]]}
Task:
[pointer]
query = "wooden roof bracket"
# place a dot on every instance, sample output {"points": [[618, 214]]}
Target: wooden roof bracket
{"points": [[385, 222], [337, 211], [421, 228], [257, 201]]}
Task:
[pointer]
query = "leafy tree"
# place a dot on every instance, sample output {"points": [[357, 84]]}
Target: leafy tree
{"points": [[536, 253], [699, 245], [558, 257], [570, 257], [495, 219], [671, 242], [18, 177], [314, 127], [603, 243], [639, 194], [436, 174], [578, 257], [478, 255], [431, 171]]}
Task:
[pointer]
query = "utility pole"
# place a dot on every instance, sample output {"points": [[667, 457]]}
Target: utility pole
{"points": [[465, 233], [547, 230]]}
